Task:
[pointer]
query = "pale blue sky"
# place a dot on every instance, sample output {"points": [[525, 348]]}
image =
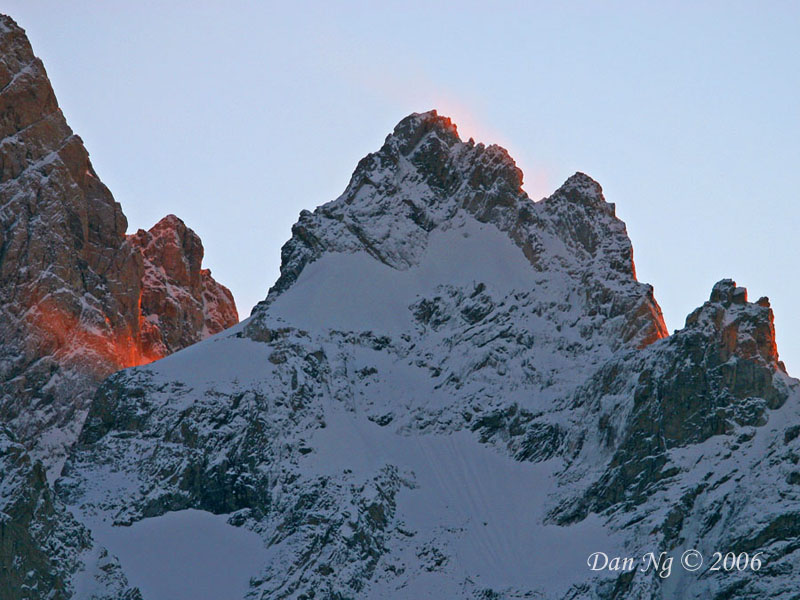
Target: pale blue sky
{"points": [[237, 115]]}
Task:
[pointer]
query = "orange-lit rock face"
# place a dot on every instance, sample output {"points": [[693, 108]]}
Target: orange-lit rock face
{"points": [[181, 303], [69, 339], [76, 295]]}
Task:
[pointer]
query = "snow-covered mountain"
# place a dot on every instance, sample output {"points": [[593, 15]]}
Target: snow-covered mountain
{"points": [[451, 391]]}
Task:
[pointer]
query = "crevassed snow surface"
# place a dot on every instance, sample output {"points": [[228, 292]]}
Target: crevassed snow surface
{"points": [[185, 555]]}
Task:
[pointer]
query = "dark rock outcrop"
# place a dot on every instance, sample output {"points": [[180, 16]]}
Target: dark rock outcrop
{"points": [[716, 375], [78, 300]]}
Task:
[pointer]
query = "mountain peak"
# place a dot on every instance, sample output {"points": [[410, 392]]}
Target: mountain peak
{"points": [[726, 292], [580, 185], [430, 142], [180, 302], [169, 221], [416, 125], [424, 181]]}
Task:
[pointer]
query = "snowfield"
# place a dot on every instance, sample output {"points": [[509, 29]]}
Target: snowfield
{"points": [[183, 555]]}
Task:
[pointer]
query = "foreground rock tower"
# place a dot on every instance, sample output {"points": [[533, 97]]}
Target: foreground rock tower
{"points": [[78, 299]]}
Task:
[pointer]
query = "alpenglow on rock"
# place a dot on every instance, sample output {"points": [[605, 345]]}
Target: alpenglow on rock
{"points": [[455, 392], [78, 300]]}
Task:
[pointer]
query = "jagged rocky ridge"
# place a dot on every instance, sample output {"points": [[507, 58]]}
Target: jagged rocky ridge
{"points": [[78, 300], [453, 391]]}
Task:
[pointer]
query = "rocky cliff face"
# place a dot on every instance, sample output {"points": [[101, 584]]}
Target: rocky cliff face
{"points": [[453, 390], [78, 299]]}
